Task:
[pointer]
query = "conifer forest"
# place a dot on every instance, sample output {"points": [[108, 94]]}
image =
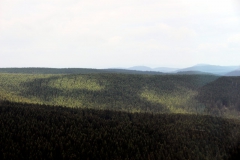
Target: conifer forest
{"points": [[117, 114]]}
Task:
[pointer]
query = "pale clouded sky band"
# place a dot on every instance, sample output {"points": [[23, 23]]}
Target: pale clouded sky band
{"points": [[111, 33]]}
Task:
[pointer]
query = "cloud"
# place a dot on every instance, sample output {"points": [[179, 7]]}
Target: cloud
{"points": [[123, 33], [234, 42], [212, 47], [234, 39]]}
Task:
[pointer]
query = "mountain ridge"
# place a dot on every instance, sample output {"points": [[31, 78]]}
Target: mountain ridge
{"points": [[199, 69], [214, 69], [157, 69]]}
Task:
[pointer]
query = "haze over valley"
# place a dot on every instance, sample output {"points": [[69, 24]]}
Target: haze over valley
{"points": [[201, 68]]}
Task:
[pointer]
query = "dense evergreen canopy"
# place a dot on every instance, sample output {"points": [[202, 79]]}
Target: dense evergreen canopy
{"points": [[198, 94], [39, 131], [91, 114]]}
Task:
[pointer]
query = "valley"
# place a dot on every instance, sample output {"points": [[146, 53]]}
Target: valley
{"points": [[141, 116]]}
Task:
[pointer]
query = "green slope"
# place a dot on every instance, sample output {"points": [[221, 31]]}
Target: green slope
{"points": [[208, 94], [221, 96], [126, 92]]}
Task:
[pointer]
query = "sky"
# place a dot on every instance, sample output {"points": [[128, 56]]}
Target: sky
{"points": [[113, 33]]}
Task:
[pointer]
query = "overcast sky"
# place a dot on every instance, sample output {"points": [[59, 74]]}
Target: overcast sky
{"points": [[114, 33]]}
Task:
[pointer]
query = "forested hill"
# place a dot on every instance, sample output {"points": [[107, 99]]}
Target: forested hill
{"points": [[119, 116], [195, 94], [44, 132], [125, 92], [72, 71], [221, 95]]}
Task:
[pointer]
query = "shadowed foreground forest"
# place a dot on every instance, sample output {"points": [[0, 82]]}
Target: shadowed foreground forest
{"points": [[32, 131]]}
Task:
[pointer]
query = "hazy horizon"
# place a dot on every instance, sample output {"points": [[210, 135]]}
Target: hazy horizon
{"points": [[113, 34], [131, 67]]}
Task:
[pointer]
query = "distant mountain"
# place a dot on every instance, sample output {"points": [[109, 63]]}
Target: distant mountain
{"points": [[128, 71], [158, 69], [165, 69], [140, 68], [214, 69], [197, 69], [194, 72], [73, 71], [234, 73]]}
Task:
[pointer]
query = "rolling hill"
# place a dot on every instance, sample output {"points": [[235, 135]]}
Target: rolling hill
{"points": [[214, 69], [221, 95], [177, 93], [158, 69], [233, 73], [128, 92], [140, 68], [165, 69], [122, 92], [91, 114], [72, 71]]}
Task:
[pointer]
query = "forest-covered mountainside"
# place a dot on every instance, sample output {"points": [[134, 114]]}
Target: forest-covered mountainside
{"points": [[31, 131], [119, 116], [221, 95], [197, 94], [125, 92]]}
